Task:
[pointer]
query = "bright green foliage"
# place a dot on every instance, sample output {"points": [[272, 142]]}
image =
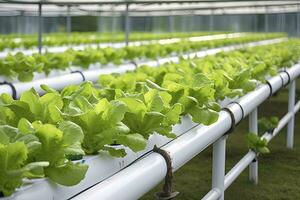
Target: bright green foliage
{"points": [[102, 125], [13, 166], [257, 144], [76, 38], [123, 110], [22, 67], [39, 150], [267, 124], [151, 112], [31, 106]]}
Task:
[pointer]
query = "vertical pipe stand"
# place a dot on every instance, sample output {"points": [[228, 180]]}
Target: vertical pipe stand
{"points": [[298, 20], [291, 105], [218, 168], [253, 128]]}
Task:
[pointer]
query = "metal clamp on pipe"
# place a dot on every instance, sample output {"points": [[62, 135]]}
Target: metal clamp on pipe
{"points": [[167, 192], [232, 127], [282, 80], [233, 121], [242, 109], [271, 130], [271, 88], [13, 89], [282, 84], [134, 63], [255, 159], [80, 72], [288, 74]]}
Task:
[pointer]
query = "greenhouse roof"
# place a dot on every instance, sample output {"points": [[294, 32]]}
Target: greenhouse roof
{"points": [[144, 7]]}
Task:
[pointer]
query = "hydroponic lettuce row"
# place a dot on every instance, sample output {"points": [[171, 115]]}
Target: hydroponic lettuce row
{"points": [[23, 67], [41, 135], [13, 41]]}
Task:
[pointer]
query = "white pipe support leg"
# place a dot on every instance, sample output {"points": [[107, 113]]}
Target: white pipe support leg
{"points": [[253, 129], [291, 105], [218, 170]]}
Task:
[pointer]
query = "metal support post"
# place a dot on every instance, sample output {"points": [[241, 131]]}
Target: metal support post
{"points": [[298, 20], [127, 25], [40, 28], [266, 21], [211, 21], [69, 22], [171, 23], [253, 128], [218, 168]]}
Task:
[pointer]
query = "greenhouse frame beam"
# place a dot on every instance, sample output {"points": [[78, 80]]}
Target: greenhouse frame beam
{"points": [[175, 9], [213, 7], [111, 2]]}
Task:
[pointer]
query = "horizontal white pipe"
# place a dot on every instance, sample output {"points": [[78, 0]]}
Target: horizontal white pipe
{"points": [[60, 82], [213, 194], [181, 150], [55, 82], [249, 102], [239, 168], [293, 72], [297, 107], [282, 123], [248, 158], [216, 37], [143, 175]]}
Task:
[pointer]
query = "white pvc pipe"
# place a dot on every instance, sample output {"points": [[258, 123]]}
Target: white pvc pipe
{"points": [[213, 194], [239, 168], [143, 175], [55, 82], [249, 101], [250, 156], [218, 169], [283, 122], [291, 105], [253, 129]]}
